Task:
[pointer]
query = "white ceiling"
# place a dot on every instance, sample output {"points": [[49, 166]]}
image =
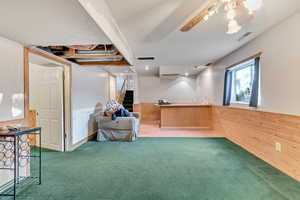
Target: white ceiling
{"points": [[152, 29], [152, 70], [48, 22], [118, 70], [169, 69], [180, 69]]}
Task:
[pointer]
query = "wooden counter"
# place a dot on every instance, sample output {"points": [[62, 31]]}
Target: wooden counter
{"points": [[186, 116]]}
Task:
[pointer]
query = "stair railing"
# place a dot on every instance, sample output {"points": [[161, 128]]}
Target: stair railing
{"points": [[122, 92]]}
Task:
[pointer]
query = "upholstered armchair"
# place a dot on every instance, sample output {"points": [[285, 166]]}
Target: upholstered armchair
{"points": [[121, 129]]}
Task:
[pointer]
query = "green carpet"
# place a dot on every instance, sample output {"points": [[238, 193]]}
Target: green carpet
{"points": [[160, 169]]}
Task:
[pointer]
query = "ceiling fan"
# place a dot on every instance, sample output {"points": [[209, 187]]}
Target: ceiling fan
{"points": [[230, 7]]}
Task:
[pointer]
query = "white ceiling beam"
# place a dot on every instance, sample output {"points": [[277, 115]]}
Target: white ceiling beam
{"points": [[101, 14]]}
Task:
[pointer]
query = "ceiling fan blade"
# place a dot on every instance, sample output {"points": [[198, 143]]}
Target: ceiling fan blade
{"points": [[212, 5], [198, 18], [174, 20]]}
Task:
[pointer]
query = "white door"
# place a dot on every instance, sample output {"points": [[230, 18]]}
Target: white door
{"points": [[46, 97]]}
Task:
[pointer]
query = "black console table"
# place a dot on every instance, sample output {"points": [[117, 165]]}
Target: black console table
{"points": [[20, 160]]}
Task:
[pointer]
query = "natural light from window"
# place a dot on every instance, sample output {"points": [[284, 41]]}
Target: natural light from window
{"points": [[242, 82]]}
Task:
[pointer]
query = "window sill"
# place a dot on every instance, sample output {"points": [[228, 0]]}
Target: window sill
{"points": [[239, 103], [242, 105]]}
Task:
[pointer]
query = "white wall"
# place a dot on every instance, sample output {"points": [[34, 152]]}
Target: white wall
{"points": [[11, 80], [90, 87], [280, 69], [210, 86], [11, 94], [153, 88]]}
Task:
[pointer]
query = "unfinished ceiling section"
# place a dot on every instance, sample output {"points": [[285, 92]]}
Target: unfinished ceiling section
{"points": [[89, 55]]}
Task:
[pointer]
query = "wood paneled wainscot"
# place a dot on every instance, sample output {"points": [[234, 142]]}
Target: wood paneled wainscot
{"points": [[259, 131], [185, 115], [149, 111]]}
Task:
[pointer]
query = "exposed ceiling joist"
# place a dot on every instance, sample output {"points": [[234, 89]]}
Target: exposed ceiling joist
{"points": [[101, 13], [98, 55], [101, 51], [91, 56], [105, 63], [72, 52]]}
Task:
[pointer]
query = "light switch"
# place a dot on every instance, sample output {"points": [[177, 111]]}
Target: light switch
{"points": [[278, 147]]}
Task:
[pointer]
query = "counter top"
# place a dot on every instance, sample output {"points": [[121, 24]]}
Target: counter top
{"points": [[183, 105]]}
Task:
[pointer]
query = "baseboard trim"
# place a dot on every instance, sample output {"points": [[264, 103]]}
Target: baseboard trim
{"points": [[187, 127]]}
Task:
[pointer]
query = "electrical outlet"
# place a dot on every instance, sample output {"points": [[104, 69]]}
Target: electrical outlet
{"points": [[278, 147]]}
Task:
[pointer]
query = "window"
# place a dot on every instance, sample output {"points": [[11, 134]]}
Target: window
{"points": [[242, 81]]}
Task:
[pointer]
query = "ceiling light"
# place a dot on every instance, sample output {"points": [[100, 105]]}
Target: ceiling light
{"points": [[233, 27], [206, 17], [211, 12], [186, 74], [231, 14], [147, 67], [253, 5]]}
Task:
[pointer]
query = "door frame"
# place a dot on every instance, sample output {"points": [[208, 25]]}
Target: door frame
{"points": [[110, 77], [67, 85]]}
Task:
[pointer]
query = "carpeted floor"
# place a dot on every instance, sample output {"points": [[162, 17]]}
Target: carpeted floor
{"points": [[160, 169]]}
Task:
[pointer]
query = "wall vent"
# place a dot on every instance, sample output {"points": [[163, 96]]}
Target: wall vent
{"points": [[244, 36], [145, 58], [169, 76]]}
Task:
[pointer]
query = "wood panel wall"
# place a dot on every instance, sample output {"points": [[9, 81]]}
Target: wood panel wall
{"points": [[149, 111], [32, 122], [258, 132], [187, 116], [137, 108]]}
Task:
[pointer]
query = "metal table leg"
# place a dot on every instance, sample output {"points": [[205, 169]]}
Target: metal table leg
{"points": [[40, 157], [15, 165]]}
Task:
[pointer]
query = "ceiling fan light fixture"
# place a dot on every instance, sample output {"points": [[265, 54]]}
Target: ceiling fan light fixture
{"points": [[206, 17], [231, 14], [231, 7], [253, 5], [233, 27]]}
